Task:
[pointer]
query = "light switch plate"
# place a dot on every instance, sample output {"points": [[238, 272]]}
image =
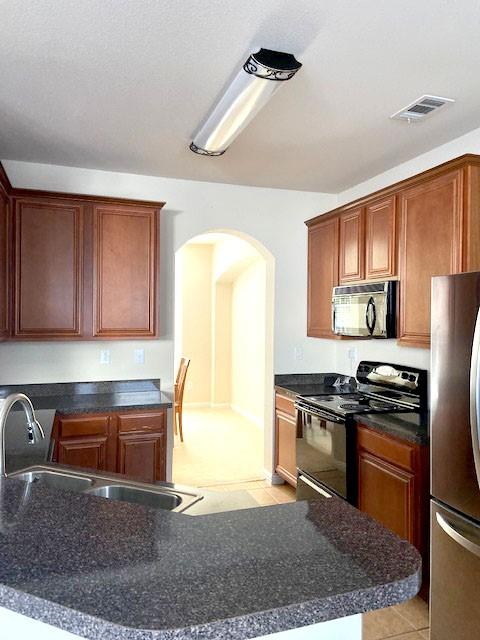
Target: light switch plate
{"points": [[105, 356], [298, 353], [139, 356]]}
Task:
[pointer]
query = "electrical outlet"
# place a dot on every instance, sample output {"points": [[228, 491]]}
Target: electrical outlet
{"points": [[105, 356], [353, 353], [298, 353], [139, 356]]}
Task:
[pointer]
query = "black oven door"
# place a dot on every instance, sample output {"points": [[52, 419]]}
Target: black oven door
{"points": [[324, 452]]}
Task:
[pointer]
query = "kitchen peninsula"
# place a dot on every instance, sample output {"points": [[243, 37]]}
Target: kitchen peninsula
{"points": [[82, 566]]}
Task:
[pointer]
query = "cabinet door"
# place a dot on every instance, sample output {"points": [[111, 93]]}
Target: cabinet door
{"points": [[380, 258], [322, 276], [386, 493], [142, 456], [286, 438], [85, 442], [4, 253], [141, 448], [352, 265], [125, 270], [89, 452], [48, 268], [430, 245]]}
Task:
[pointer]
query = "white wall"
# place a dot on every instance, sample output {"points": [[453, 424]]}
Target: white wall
{"points": [[195, 330], [273, 217], [248, 342]]}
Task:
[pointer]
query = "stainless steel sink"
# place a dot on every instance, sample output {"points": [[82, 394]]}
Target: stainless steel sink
{"points": [[158, 496], [124, 493], [56, 480]]}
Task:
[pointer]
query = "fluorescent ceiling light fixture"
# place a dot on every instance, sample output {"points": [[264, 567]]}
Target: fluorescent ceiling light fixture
{"points": [[262, 74]]}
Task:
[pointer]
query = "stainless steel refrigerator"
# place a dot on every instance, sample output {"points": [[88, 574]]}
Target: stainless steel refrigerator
{"points": [[455, 458]]}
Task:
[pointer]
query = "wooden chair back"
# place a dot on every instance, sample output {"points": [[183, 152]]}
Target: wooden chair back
{"points": [[180, 380]]}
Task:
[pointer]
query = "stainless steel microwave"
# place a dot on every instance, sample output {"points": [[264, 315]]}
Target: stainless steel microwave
{"points": [[365, 310]]}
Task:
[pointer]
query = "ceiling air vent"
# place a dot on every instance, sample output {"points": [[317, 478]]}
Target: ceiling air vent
{"points": [[421, 108]]}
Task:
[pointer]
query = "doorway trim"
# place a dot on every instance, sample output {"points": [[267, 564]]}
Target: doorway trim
{"points": [[268, 414]]}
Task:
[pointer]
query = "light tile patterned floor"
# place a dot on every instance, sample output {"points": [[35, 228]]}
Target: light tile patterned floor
{"points": [[406, 621], [260, 490], [219, 447]]}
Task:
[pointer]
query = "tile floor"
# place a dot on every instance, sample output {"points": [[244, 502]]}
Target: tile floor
{"points": [[219, 447], [406, 621]]}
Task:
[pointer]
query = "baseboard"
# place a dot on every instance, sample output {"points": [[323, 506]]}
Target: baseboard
{"points": [[221, 405], [196, 405], [258, 422], [272, 477]]}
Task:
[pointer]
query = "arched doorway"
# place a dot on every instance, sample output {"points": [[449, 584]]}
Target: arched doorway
{"points": [[224, 314]]}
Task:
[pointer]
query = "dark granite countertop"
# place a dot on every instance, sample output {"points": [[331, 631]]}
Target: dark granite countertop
{"points": [[91, 397], [111, 570], [405, 426], [312, 384]]}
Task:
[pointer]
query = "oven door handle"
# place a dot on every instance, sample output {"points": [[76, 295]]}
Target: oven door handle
{"points": [[314, 486], [317, 413]]}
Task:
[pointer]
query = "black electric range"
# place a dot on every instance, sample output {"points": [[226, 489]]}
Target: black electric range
{"points": [[326, 442]]}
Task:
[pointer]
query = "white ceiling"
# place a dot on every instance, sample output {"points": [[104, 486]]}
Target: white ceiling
{"points": [[123, 84]]}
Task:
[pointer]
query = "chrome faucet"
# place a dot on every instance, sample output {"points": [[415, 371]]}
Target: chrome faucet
{"points": [[34, 428]]}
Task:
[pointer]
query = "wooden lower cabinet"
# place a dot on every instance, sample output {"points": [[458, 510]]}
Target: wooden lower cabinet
{"points": [[84, 441], [141, 446], [286, 439], [393, 487], [133, 444], [387, 494], [90, 452]]}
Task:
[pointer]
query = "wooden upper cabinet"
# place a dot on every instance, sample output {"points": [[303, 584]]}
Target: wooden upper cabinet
{"points": [[380, 239], [4, 253], [430, 245], [125, 270], [352, 264], [48, 268], [322, 275]]}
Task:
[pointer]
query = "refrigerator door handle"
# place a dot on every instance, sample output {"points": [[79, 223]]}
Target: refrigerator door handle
{"points": [[460, 538], [475, 396]]}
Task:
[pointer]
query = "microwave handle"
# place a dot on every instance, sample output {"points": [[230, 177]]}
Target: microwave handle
{"points": [[371, 305]]}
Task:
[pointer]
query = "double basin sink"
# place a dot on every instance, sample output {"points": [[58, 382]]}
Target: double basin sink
{"points": [[158, 496]]}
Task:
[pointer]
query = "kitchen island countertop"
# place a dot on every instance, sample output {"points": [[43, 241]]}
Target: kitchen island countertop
{"points": [[111, 570]]}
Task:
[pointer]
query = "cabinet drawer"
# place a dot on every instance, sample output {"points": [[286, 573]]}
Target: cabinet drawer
{"points": [[387, 448], [146, 422], [285, 404], [85, 426]]}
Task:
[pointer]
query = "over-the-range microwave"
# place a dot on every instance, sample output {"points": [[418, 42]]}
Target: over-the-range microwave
{"points": [[365, 310]]}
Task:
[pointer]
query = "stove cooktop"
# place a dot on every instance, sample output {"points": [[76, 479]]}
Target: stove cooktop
{"points": [[351, 403]]}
